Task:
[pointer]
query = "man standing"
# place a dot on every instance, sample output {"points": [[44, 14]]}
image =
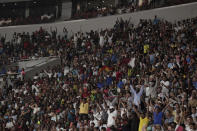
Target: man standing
{"points": [[112, 115]]}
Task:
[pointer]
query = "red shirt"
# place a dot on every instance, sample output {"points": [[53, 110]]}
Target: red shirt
{"points": [[26, 44], [125, 61], [85, 94], [118, 75], [23, 72]]}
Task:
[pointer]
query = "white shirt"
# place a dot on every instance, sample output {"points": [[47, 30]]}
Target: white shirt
{"points": [[75, 38], [123, 111], [58, 128], [114, 74], [101, 42], [165, 90], [98, 115], [194, 115], [111, 118], [148, 91], [96, 123], [188, 128], [35, 87], [151, 90], [36, 109], [50, 75], [66, 70], [137, 96], [110, 39], [35, 77], [54, 118], [95, 73], [9, 125], [104, 125], [19, 40], [132, 62]]}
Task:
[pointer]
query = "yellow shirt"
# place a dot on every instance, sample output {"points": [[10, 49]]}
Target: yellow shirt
{"points": [[51, 52], [146, 48], [129, 72], [75, 87], [175, 114], [84, 108], [110, 51], [143, 122], [93, 91], [62, 101]]}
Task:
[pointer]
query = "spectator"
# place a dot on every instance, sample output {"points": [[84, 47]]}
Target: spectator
{"points": [[107, 85]]}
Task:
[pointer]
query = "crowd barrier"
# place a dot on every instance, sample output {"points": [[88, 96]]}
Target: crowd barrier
{"points": [[29, 63], [172, 14], [32, 66], [38, 67]]}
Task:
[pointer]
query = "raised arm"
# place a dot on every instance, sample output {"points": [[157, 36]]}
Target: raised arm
{"points": [[46, 72], [132, 90], [165, 107], [136, 111], [121, 102], [141, 90], [182, 116], [156, 83]]}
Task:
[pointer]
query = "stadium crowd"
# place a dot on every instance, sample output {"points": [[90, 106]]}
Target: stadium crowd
{"points": [[126, 78]]}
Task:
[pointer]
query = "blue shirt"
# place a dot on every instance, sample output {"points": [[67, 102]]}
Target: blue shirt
{"points": [[169, 120], [158, 118], [100, 85], [120, 84], [84, 76], [195, 84], [109, 81], [3, 71], [75, 72], [114, 59], [156, 21], [170, 65], [188, 60], [70, 115], [152, 58], [59, 74], [1, 50]]}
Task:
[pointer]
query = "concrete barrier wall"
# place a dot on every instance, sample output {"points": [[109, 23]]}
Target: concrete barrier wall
{"points": [[38, 68], [32, 63], [171, 14]]}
